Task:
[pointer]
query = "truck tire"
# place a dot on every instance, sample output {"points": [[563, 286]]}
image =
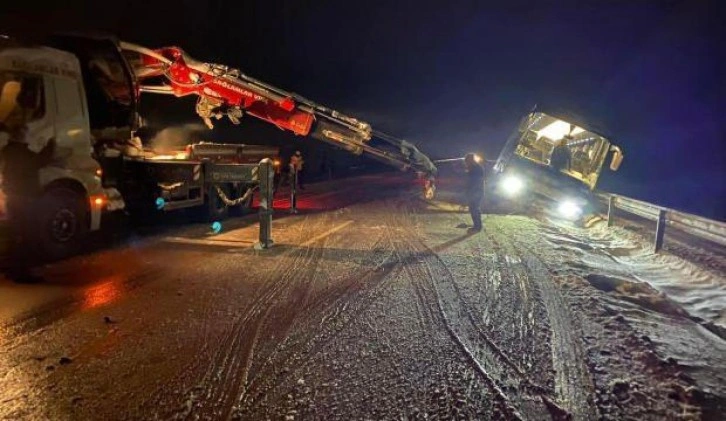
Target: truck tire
{"points": [[62, 223], [215, 209]]}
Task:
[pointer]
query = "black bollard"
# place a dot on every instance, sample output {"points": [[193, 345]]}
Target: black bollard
{"points": [[267, 182], [293, 189]]}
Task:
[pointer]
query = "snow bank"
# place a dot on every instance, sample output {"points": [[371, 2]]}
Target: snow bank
{"points": [[620, 259]]}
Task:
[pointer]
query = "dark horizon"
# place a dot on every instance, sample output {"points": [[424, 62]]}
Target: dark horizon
{"points": [[459, 78]]}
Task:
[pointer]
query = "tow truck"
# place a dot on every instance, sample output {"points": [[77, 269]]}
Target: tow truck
{"points": [[84, 91], [552, 162]]}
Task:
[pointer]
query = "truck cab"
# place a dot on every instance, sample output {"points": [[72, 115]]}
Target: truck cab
{"points": [[553, 158], [42, 94], [75, 105]]}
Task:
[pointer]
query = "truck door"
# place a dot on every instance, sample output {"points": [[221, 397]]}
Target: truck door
{"points": [[71, 123]]}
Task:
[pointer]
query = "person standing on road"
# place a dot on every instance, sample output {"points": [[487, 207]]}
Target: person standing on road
{"points": [[474, 190], [20, 174], [21, 185], [296, 167]]}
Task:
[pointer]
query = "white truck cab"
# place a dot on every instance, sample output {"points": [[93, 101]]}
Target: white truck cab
{"points": [[41, 89], [79, 100]]}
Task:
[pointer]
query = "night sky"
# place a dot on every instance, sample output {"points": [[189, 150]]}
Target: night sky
{"points": [[457, 76]]}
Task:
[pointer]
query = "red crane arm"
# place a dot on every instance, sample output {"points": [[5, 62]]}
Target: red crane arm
{"points": [[219, 89], [223, 91]]}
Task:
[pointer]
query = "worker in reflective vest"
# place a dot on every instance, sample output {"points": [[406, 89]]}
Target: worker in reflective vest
{"points": [[296, 167]]}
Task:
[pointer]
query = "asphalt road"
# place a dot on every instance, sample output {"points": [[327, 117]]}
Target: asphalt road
{"points": [[371, 305]]}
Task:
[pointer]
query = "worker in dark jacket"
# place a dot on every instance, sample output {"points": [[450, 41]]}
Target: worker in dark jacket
{"points": [[21, 185], [474, 190]]}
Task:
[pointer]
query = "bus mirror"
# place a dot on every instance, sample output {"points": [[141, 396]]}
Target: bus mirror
{"points": [[617, 158]]}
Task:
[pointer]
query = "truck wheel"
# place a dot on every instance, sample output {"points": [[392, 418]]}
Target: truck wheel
{"points": [[215, 209], [63, 223]]}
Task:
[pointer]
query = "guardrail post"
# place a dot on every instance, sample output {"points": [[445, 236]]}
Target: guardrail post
{"points": [[611, 210], [708, 229], [267, 182], [293, 189], [660, 231]]}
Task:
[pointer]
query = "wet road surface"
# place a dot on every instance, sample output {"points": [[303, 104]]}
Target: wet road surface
{"points": [[371, 305]]}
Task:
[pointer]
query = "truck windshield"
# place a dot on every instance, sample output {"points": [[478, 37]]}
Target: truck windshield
{"points": [[566, 147]]}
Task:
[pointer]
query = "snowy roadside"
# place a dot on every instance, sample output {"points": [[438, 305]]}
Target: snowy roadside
{"points": [[694, 288], [676, 300], [652, 325]]}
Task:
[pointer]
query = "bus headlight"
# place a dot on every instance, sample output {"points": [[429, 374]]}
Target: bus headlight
{"points": [[512, 185], [569, 209]]}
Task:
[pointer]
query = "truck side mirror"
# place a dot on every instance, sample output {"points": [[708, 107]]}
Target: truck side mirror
{"points": [[617, 158]]}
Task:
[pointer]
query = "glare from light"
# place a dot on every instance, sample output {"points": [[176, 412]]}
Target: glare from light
{"points": [[558, 130], [98, 201], [569, 209], [478, 158], [216, 227], [512, 185]]}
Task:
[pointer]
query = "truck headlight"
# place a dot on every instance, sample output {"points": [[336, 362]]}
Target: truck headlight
{"points": [[569, 209], [512, 185]]}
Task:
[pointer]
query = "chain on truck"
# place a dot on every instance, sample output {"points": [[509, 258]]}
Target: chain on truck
{"points": [[85, 93]]}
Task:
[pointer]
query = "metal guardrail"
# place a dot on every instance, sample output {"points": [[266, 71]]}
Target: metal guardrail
{"points": [[698, 226]]}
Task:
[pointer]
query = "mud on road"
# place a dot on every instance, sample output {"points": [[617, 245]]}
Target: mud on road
{"points": [[371, 305]]}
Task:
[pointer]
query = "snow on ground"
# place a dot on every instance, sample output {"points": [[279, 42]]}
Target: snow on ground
{"points": [[697, 289], [675, 298]]}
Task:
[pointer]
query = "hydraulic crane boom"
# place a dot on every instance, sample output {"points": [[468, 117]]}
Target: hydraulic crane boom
{"points": [[224, 91]]}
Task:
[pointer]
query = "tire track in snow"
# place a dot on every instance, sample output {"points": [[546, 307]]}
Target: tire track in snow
{"points": [[166, 399], [335, 319], [210, 392], [573, 385], [485, 364], [413, 254], [300, 307], [323, 318], [241, 349], [491, 361], [368, 290]]}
